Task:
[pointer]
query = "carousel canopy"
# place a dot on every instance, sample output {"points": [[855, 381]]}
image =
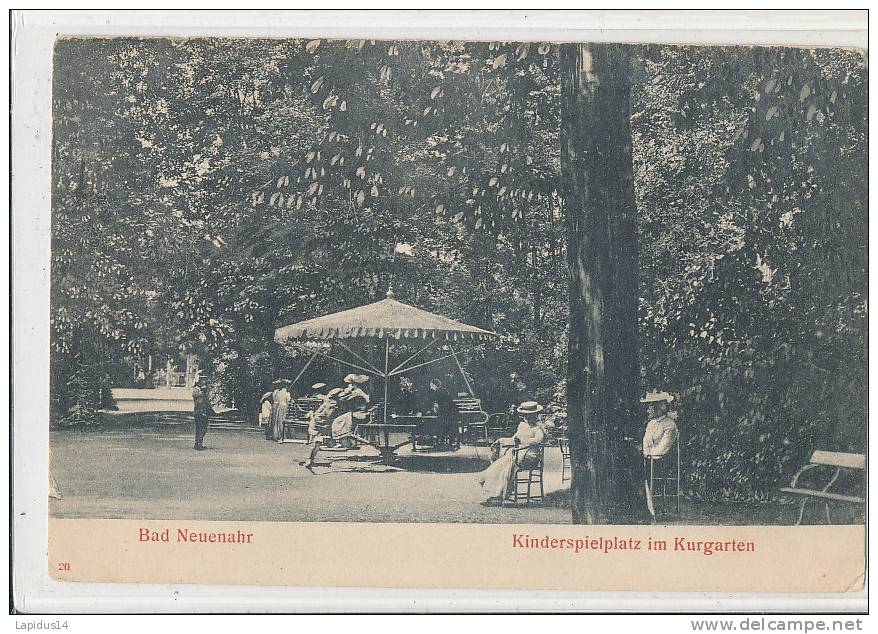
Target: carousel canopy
{"points": [[387, 318]]}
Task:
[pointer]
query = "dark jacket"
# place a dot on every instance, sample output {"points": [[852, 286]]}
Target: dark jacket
{"points": [[441, 404], [202, 401]]}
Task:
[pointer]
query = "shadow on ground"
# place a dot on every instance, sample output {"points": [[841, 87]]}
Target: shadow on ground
{"points": [[445, 463], [143, 467]]}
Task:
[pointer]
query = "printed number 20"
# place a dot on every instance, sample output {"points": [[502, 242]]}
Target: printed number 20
{"points": [[64, 565]]}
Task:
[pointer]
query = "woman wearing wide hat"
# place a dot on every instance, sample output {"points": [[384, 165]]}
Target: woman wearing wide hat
{"points": [[353, 390], [660, 435], [497, 478], [661, 430], [265, 409]]}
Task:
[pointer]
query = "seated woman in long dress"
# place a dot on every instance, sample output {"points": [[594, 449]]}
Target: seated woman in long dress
{"points": [[660, 436], [661, 429], [343, 426], [497, 479]]}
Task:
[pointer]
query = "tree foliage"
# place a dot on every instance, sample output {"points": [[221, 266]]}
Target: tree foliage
{"points": [[207, 191], [751, 307]]}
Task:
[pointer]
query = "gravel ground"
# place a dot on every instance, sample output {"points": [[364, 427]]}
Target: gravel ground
{"points": [[147, 469], [152, 472]]}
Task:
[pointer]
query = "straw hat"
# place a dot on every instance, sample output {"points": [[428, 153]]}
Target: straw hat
{"points": [[529, 407], [657, 397], [356, 378], [318, 386]]}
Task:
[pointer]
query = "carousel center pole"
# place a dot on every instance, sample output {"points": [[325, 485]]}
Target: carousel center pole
{"points": [[386, 374]]}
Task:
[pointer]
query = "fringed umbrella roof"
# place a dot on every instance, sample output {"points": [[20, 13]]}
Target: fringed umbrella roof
{"points": [[386, 318]]}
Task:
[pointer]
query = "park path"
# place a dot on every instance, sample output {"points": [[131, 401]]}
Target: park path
{"points": [[145, 468], [152, 472]]}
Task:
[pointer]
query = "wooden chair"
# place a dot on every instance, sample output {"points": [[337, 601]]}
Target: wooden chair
{"points": [[497, 425], [424, 432], [472, 418], [827, 461], [528, 474], [566, 470], [664, 479]]}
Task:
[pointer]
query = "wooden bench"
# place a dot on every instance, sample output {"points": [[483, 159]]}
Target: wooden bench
{"points": [[296, 422], [469, 417], [828, 461]]}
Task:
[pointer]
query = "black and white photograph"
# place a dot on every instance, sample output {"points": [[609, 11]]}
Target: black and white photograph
{"points": [[412, 281]]}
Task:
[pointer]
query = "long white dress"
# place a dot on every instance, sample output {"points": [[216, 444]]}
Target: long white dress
{"points": [[658, 439], [497, 478], [280, 400], [265, 409]]}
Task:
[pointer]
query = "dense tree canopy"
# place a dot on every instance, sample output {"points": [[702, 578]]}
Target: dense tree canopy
{"points": [[206, 191], [751, 308]]}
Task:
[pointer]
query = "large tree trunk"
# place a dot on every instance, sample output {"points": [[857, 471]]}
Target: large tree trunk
{"points": [[603, 369]]}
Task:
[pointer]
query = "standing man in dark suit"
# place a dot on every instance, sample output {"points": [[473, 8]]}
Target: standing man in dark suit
{"points": [[442, 406], [202, 410]]}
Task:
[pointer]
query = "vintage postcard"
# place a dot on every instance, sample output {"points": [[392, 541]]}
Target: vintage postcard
{"points": [[458, 314]]}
